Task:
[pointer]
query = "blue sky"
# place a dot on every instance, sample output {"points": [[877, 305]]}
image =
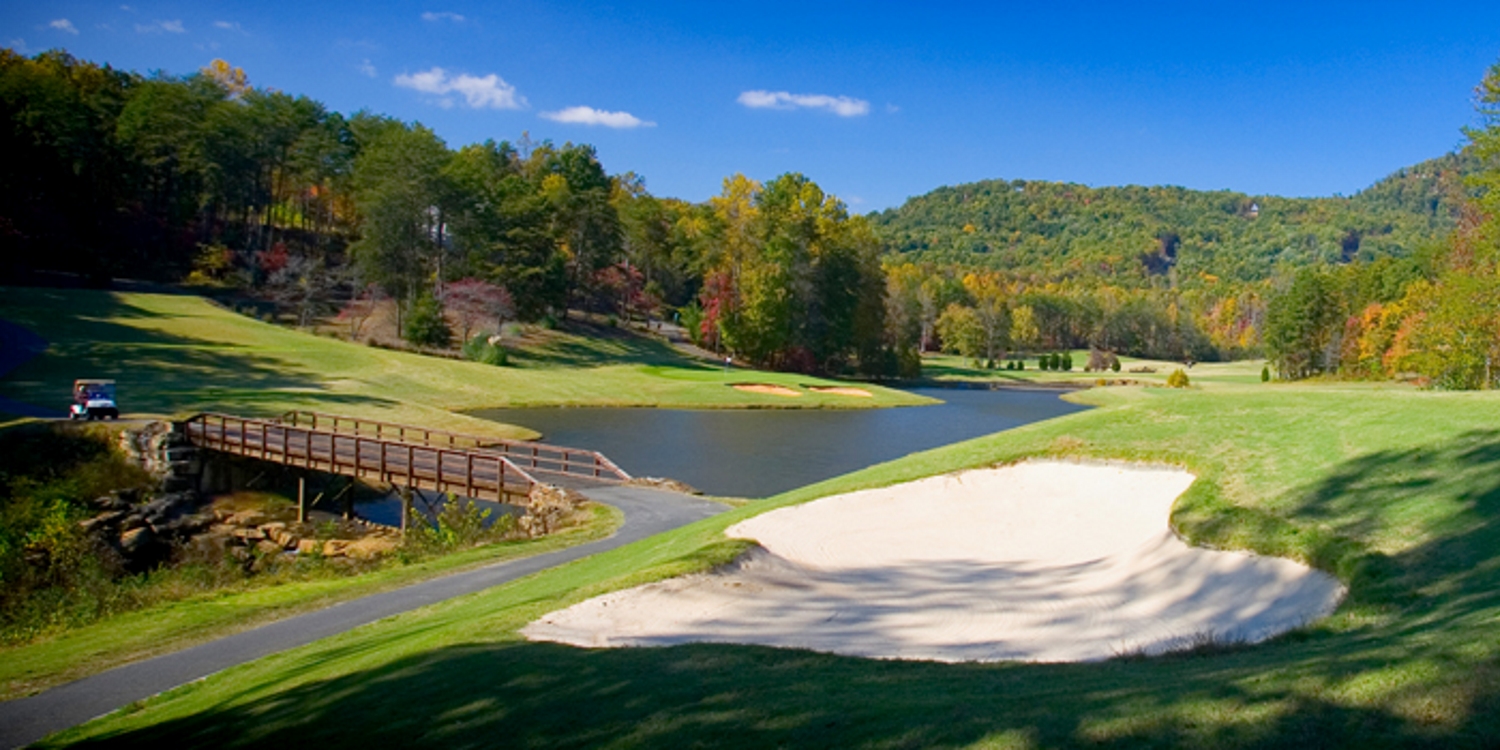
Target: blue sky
{"points": [[874, 101]]}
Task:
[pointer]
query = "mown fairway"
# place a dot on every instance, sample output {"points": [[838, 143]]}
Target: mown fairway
{"points": [[182, 354], [1394, 490]]}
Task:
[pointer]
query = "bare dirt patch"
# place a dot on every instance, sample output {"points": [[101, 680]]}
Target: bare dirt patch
{"points": [[766, 388], [1041, 561], [841, 390]]}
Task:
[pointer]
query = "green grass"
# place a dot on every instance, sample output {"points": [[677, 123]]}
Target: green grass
{"points": [[1394, 490], [77, 652], [181, 354]]}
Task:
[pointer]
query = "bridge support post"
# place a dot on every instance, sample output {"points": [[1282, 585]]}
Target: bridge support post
{"points": [[301, 499], [405, 508]]}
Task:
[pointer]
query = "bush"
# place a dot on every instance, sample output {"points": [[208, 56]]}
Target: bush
{"points": [[1067, 362], [479, 349], [426, 326], [1114, 364], [691, 317], [459, 523], [1178, 379], [1265, 374]]}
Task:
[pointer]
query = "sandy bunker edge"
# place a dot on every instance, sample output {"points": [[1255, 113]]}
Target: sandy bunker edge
{"points": [[1043, 560]]}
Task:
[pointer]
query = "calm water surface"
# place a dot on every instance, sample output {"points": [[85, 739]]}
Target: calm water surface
{"points": [[762, 452]]}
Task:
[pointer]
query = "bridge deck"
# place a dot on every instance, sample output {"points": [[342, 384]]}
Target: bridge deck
{"points": [[400, 455]]}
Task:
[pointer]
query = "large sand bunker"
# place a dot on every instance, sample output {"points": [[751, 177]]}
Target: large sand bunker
{"points": [[1041, 561]]}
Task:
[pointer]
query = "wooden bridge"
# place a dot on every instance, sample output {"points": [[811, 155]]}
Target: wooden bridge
{"points": [[407, 457]]}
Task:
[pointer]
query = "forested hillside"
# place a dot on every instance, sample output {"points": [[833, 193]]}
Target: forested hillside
{"points": [[1137, 236], [209, 179]]}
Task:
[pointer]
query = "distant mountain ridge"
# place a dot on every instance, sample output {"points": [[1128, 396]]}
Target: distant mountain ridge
{"points": [[1134, 235]]}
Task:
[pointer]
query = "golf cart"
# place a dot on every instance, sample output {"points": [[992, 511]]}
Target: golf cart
{"points": [[93, 399]]}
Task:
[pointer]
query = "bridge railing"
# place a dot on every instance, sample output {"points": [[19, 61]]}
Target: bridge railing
{"points": [[466, 472], [536, 457]]}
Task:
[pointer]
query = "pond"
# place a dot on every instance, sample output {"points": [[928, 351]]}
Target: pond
{"points": [[763, 452]]}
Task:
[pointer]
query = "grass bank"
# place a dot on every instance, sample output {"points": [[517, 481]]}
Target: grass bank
{"points": [[183, 354], [1396, 491]]}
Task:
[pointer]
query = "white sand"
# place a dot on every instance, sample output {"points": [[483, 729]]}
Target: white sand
{"points": [[1042, 561]]}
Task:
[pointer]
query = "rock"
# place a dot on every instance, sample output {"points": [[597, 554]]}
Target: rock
{"points": [[547, 508], [248, 518], [135, 541], [106, 518], [109, 502], [267, 547], [249, 535], [308, 546], [335, 547], [371, 547]]}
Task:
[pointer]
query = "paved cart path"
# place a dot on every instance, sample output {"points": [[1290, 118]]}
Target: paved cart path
{"points": [[26, 720]]}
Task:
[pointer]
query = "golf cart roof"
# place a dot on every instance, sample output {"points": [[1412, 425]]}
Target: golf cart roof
{"points": [[93, 382]]}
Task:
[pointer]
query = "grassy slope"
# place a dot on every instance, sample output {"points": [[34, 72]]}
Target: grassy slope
{"points": [[1397, 491], [182, 354]]}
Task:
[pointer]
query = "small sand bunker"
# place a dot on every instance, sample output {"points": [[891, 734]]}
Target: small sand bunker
{"points": [[840, 390], [774, 390], [1041, 561]]}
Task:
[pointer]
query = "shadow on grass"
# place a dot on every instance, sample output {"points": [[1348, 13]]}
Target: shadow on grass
{"points": [[535, 695], [156, 372], [1427, 675], [596, 346]]}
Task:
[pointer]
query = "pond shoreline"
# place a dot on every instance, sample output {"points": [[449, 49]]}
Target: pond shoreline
{"points": [[763, 452]]}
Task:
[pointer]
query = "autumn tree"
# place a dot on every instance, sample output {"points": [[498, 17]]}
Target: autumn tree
{"points": [[474, 303]]}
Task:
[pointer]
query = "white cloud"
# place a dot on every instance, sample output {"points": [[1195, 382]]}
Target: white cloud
{"points": [[489, 91], [157, 27], [19, 45], [591, 116], [63, 24], [843, 106], [127, 8], [229, 26], [367, 68], [442, 16]]}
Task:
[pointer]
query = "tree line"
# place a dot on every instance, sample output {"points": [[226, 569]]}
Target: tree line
{"points": [[208, 178], [1434, 317]]}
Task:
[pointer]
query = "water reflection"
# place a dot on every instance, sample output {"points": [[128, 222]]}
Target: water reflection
{"points": [[758, 453]]}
